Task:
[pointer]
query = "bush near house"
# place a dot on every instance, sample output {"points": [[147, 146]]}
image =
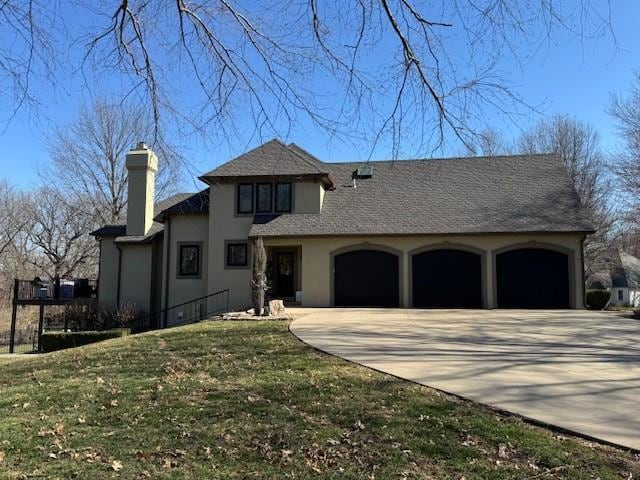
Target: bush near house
{"points": [[52, 341], [597, 299]]}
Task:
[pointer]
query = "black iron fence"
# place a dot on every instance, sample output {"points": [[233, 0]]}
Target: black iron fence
{"points": [[25, 340]]}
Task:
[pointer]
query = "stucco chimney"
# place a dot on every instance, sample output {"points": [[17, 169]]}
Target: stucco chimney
{"points": [[142, 165]]}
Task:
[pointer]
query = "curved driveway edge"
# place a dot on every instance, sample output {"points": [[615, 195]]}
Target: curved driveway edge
{"points": [[577, 370]]}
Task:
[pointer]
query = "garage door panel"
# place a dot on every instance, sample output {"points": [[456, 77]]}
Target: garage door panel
{"points": [[366, 278], [532, 278], [447, 278]]}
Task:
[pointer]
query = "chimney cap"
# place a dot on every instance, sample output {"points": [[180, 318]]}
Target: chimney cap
{"points": [[141, 146]]}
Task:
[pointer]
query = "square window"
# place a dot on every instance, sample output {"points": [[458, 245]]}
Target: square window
{"points": [[189, 261], [245, 198], [283, 197], [264, 198], [237, 254]]}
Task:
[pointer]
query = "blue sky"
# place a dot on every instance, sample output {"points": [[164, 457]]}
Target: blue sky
{"points": [[568, 76]]}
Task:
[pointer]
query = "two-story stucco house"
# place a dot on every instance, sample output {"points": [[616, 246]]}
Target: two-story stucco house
{"points": [[488, 232]]}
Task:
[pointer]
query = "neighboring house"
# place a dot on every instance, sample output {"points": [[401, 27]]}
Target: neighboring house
{"points": [[482, 232], [622, 279]]}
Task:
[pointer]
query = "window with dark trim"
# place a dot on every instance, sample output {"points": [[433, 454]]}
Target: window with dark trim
{"points": [[189, 260], [245, 198], [620, 295], [264, 197], [283, 197], [237, 254]]}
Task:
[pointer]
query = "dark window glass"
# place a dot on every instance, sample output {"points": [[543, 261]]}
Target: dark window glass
{"points": [[237, 255], [189, 260], [263, 198], [620, 295], [283, 197], [245, 198]]}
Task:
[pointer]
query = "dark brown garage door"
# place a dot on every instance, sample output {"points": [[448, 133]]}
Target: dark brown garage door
{"points": [[447, 278], [532, 278], [366, 278]]}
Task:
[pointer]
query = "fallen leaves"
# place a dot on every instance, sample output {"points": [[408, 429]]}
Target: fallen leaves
{"points": [[116, 465]]}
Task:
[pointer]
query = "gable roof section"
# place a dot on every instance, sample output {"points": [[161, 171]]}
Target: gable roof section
{"points": [[271, 159], [507, 194], [120, 231], [623, 272], [631, 267], [193, 203]]}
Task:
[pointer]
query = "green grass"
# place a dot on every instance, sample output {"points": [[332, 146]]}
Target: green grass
{"points": [[246, 400]]}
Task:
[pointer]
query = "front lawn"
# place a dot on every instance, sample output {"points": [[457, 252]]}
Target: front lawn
{"points": [[246, 400]]}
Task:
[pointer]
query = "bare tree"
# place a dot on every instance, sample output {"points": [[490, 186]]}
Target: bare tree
{"points": [[59, 236], [490, 142], [14, 223], [89, 158], [578, 144], [13, 220], [625, 111], [370, 69]]}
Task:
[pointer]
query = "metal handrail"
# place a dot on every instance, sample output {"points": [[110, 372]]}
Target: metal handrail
{"points": [[186, 312]]}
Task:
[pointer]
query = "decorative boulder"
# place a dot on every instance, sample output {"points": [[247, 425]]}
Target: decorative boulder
{"points": [[276, 307]]}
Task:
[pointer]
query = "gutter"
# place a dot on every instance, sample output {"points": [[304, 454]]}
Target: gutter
{"points": [[119, 275], [167, 268], [584, 280]]}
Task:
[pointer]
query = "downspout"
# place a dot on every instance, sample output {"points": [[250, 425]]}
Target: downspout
{"points": [[167, 269], [584, 280], [99, 269], [119, 275]]}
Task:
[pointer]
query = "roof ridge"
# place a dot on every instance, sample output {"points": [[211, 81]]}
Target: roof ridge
{"points": [[307, 160], [484, 157]]}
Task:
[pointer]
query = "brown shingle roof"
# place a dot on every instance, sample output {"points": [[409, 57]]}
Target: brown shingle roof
{"points": [[120, 231], [271, 159], [508, 194]]}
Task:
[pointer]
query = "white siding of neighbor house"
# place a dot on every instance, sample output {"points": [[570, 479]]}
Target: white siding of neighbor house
{"points": [[316, 260], [629, 296]]}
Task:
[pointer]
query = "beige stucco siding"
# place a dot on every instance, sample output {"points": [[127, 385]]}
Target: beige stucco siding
{"points": [[316, 275], [225, 225], [108, 283], [307, 197], [135, 276], [182, 229]]}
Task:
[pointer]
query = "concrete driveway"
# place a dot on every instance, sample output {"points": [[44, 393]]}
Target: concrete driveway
{"points": [[578, 370]]}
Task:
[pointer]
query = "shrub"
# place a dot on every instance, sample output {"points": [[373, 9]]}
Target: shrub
{"points": [[86, 315], [52, 341], [597, 299]]}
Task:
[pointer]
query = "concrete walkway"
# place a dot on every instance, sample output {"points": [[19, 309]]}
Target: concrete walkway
{"points": [[575, 369]]}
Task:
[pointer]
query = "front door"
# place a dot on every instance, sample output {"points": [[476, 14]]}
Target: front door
{"points": [[284, 284]]}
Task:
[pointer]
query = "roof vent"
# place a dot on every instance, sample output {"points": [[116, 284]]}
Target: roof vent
{"points": [[363, 172]]}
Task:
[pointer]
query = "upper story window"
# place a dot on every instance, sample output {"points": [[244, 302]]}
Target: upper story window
{"points": [[245, 198], [283, 197], [264, 198]]}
